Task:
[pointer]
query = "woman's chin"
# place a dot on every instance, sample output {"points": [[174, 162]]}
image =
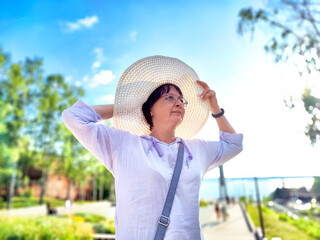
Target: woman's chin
{"points": [[178, 120]]}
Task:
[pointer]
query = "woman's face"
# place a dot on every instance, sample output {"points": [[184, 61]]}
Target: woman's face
{"points": [[165, 112]]}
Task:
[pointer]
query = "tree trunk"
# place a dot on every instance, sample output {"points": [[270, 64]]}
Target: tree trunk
{"points": [[94, 188], [69, 189], [111, 195], [12, 184], [101, 190], [43, 186], [83, 195]]}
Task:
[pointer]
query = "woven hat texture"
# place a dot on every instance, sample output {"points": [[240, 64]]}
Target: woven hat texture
{"points": [[142, 78]]}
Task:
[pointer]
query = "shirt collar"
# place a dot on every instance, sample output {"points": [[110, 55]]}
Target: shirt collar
{"points": [[154, 142]]}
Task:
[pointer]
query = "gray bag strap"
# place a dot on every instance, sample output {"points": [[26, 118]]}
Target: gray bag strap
{"points": [[164, 220]]}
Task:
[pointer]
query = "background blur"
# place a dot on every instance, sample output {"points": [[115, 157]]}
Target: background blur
{"points": [[261, 57]]}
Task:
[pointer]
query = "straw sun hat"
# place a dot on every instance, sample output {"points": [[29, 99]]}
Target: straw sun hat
{"points": [[142, 78]]}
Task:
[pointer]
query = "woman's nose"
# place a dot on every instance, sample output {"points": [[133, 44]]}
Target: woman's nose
{"points": [[178, 103]]}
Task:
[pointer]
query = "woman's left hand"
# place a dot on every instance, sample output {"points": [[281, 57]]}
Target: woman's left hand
{"points": [[211, 95], [207, 93]]}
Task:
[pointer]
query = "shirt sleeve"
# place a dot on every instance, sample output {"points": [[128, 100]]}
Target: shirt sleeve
{"points": [[219, 152], [87, 127]]}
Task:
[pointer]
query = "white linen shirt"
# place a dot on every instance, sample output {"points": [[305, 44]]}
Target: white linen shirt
{"points": [[143, 166]]}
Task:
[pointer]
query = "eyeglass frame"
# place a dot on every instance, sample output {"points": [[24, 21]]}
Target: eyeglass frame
{"points": [[175, 99]]}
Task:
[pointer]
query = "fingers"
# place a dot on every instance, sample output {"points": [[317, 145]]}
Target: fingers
{"points": [[202, 84], [207, 93]]}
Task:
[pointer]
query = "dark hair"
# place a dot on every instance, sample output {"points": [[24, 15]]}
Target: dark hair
{"points": [[154, 96]]}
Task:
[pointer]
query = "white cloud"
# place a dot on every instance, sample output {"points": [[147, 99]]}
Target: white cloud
{"points": [[99, 59], [78, 83], [102, 78], [108, 98], [86, 22], [98, 77], [99, 53], [72, 26], [68, 78], [96, 64], [133, 36], [85, 78]]}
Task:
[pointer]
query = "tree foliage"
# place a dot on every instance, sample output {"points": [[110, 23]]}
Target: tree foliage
{"points": [[16, 81], [32, 134], [316, 186], [294, 30]]}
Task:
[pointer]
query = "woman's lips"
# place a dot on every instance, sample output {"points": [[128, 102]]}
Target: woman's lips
{"points": [[176, 112]]}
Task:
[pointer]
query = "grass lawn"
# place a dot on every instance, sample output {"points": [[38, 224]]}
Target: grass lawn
{"points": [[274, 227], [19, 202]]}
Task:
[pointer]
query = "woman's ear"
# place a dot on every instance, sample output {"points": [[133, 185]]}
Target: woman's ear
{"points": [[151, 112]]}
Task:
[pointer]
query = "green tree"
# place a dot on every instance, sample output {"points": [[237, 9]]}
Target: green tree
{"points": [[73, 163], [106, 182], [30, 113], [16, 80], [79, 166], [4, 154], [294, 26], [54, 96], [316, 186], [27, 159]]}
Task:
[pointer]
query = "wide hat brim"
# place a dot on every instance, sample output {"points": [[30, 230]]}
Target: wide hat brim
{"points": [[142, 78]]}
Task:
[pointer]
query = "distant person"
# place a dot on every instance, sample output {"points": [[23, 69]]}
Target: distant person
{"points": [[224, 212], [68, 204], [217, 210], [50, 210], [228, 200], [159, 106]]}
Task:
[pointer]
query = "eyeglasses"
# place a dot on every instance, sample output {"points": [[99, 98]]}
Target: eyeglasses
{"points": [[173, 98]]}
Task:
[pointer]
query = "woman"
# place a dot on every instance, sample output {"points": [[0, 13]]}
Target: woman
{"points": [[151, 115]]}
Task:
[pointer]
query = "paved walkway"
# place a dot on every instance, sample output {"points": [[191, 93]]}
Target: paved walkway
{"points": [[108, 210], [234, 228]]}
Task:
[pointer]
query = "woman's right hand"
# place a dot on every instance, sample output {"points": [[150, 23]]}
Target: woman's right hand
{"points": [[105, 111]]}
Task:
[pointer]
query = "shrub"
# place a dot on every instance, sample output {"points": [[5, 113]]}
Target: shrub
{"points": [[89, 217], [104, 227], [30, 228], [101, 228], [283, 217], [78, 219], [203, 203], [99, 223], [243, 199]]}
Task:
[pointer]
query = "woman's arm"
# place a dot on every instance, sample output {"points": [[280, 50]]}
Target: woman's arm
{"points": [[84, 122], [105, 111], [222, 121]]}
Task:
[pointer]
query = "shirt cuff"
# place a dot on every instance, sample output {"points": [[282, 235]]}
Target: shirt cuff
{"points": [[83, 109], [231, 137]]}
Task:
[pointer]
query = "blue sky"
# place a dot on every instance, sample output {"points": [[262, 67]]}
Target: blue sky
{"points": [[91, 43], [122, 32]]}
